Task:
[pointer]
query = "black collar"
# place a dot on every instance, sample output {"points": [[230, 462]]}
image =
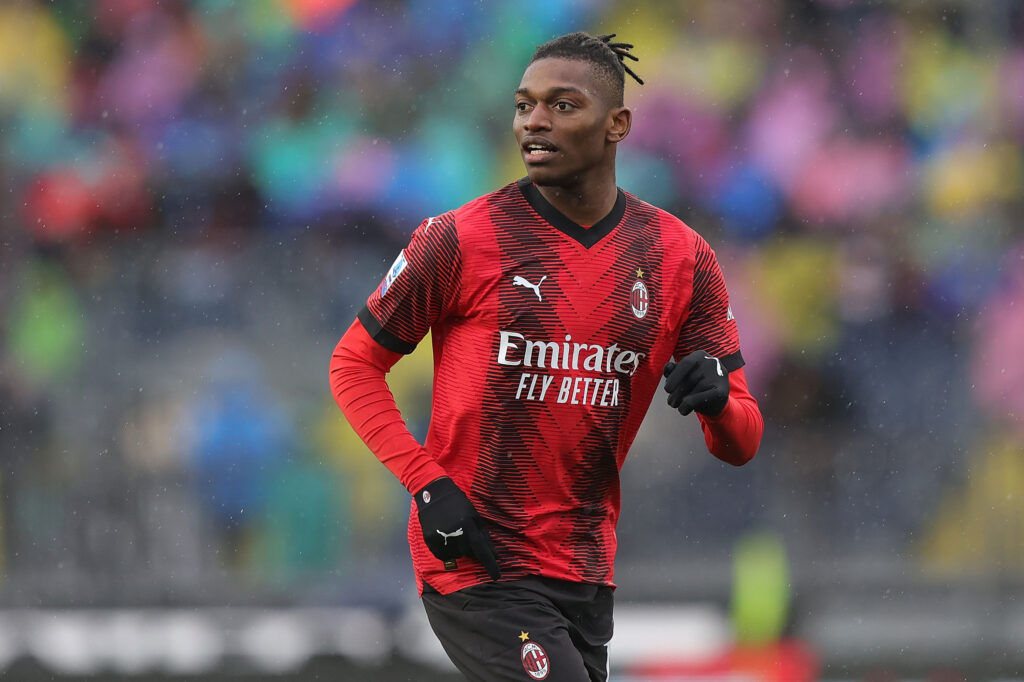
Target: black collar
{"points": [[587, 236]]}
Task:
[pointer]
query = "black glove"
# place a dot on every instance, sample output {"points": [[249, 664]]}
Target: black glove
{"points": [[698, 382], [452, 528]]}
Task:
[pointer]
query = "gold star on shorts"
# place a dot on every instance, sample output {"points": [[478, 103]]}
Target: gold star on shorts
{"points": [[524, 635]]}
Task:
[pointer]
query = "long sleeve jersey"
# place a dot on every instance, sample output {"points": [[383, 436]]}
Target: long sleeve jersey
{"points": [[549, 339]]}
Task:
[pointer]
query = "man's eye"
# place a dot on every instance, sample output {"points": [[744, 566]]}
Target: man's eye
{"points": [[521, 106], [563, 106]]}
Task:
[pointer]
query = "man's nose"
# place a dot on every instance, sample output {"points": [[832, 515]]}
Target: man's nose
{"points": [[539, 119]]}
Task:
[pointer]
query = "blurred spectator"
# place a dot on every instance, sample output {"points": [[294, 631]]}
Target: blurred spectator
{"points": [[242, 439], [44, 325]]}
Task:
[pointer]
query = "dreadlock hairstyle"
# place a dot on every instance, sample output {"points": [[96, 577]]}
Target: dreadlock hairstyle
{"points": [[610, 58]]}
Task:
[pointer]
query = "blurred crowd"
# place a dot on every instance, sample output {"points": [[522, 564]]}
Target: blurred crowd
{"points": [[198, 197]]}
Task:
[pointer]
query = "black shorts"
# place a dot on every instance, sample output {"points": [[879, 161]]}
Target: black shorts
{"points": [[524, 630]]}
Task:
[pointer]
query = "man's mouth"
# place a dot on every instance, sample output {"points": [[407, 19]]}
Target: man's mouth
{"points": [[539, 150]]}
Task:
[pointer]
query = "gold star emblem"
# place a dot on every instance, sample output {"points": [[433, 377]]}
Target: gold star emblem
{"points": [[524, 635], [639, 273]]}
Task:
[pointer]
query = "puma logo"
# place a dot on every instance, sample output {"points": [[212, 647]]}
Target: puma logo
{"points": [[518, 281], [718, 364], [454, 534]]}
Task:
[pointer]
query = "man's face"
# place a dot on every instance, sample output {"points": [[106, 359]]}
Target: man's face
{"points": [[562, 121]]}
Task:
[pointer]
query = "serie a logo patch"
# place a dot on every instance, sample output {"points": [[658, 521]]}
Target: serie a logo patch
{"points": [[393, 273], [535, 660]]}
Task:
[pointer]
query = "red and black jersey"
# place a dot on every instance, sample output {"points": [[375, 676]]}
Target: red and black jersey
{"points": [[549, 341]]}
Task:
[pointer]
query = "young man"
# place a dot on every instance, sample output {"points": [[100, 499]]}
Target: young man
{"points": [[557, 304]]}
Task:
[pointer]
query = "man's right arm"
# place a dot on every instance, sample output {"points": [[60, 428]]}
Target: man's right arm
{"points": [[451, 526], [421, 287], [358, 368]]}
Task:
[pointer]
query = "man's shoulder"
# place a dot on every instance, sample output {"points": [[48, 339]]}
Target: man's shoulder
{"points": [[481, 207], [670, 225], [454, 220]]}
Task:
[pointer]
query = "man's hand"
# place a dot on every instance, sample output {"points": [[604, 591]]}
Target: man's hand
{"points": [[452, 528], [697, 383]]}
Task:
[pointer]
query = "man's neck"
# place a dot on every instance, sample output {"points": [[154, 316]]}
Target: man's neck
{"points": [[584, 203]]}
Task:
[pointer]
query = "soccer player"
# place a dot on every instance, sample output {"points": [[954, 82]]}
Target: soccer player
{"points": [[557, 304]]}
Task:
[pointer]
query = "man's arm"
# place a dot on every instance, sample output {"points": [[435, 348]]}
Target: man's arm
{"points": [[420, 288], [451, 526], [734, 434], [709, 378], [358, 369], [728, 413]]}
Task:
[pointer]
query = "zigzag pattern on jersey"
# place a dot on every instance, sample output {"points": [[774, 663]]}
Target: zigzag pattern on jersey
{"points": [[704, 329], [633, 244], [505, 477], [546, 460], [428, 287]]}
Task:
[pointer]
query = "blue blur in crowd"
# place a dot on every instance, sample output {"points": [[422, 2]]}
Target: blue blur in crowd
{"points": [[240, 438]]}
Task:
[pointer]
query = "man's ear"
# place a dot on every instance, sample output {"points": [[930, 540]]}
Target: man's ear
{"points": [[620, 119]]}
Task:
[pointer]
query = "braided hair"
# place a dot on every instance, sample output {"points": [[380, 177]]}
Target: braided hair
{"points": [[609, 58]]}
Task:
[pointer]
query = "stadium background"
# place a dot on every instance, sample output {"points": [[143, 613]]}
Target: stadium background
{"points": [[198, 196]]}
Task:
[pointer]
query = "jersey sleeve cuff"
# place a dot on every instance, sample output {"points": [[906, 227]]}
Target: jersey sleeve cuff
{"points": [[732, 362], [383, 336]]}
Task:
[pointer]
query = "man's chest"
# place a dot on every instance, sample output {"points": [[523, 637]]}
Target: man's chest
{"points": [[543, 285]]}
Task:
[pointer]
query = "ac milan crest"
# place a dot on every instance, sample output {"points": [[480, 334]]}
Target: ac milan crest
{"points": [[639, 299], [535, 660]]}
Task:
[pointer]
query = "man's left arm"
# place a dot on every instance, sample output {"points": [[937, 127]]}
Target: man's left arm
{"points": [[709, 377], [734, 434]]}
